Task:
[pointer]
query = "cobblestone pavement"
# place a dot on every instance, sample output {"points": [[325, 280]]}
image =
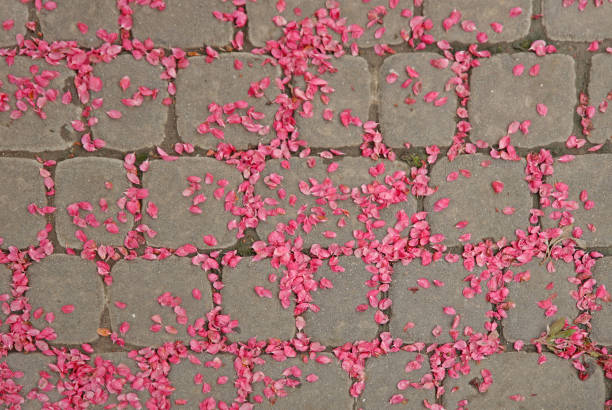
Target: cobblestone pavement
{"points": [[306, 204]]}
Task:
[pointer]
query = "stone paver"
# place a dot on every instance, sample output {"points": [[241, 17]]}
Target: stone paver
{"points": [[20, 186], [329, 391], [351, 172], [62, 280], [262, 29], [602, 332], [182, 379], [338, 321], [139, 126], [31, 365], [259, 317], [30, 132], [382, 376], [498, 97], [176, 225], [62, 23], [527, 319], [18, 12], [482, 13], [419, 123], [473, 199], [220, 82], [424, 307], [544, 388], [86, 180], [154, 278], [352, 91], [600, 87], [590, 173], [184, 24], [570, 24]]}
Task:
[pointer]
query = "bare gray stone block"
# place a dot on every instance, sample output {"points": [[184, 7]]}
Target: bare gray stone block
{"points": [[602, 332], [184, 24], [351, 173], [20, 186], [61, 23], [338, 321], [18, 12], [352, 91], [553, 384], [330, 390], [570, 24], [220, 82], [600, 86], [482, 13], [140, 283], [86, 180], [140, 126], [420, 123], [382, 376], [259, 317], [30, 132], [527, 319], [590, 173], [262, 29], [31, 365], [176, 224], [182, 377], [424, 307], [61, 280], [499, 98], [474, 200]]}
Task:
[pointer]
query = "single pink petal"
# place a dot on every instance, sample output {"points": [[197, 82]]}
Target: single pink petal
{"points": [[542, 109], [498, 186], [516, 11], [114, 114], [67, 309], [209, 240], [518, 69], [441, 204]]}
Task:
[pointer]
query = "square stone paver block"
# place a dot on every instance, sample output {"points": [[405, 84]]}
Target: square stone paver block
{"points": [[382, 376], [474, 200], [140, 283], [62, 23], [259, 317], [351, 173], [20, 186], [262, 29], [176, 224], [329, 391], [338, 321], [140, 126], [184, 23], [31, 365], [499, 98], [61, 280], [420, 123], [552, 385], [352, 91], [527, 319], [182, 377], [424, 307], [482, 13], [590, 173], [570, 24], [30, 132], [602, 331], [18, 12], [87, 180], [220, 82], [600, 87]]}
